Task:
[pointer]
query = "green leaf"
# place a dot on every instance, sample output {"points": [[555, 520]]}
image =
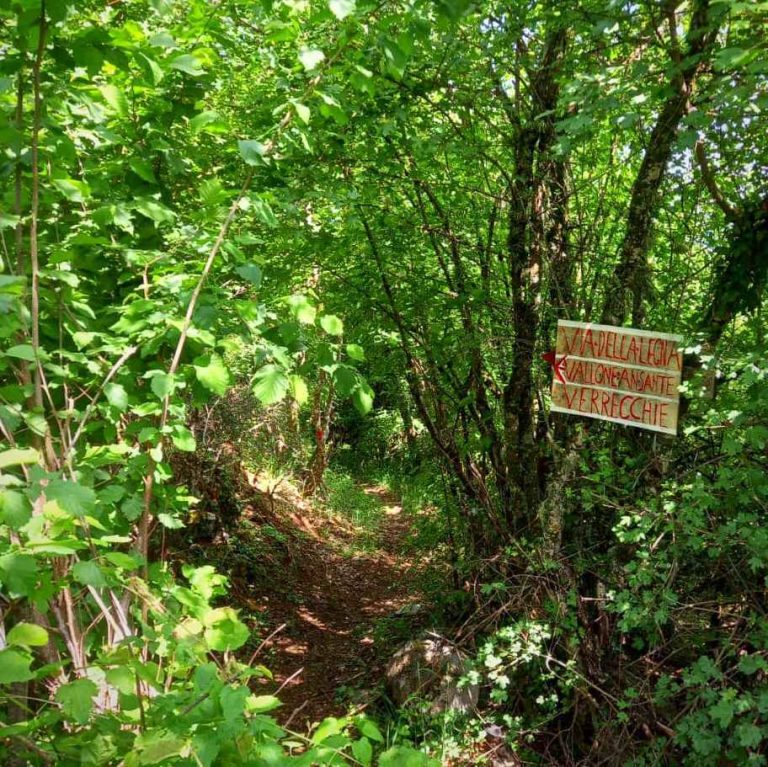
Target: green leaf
{"points": [[224, 631], [154, 210], [206, 121], [117, 396], [76, 699], [15, 509], [18, 572], [163, 385], [260, 704], [156, 746], [251, 273], [310, 58], [355, 352], [271, 384], [72, 189], [362, 399], [749, 735], [212, 374], [18, 457], [331, 324], [302, 310], [116, 99], [369, 728], [722, 712], [142, 169], [71, 497], [88, 573], [188, 64], [252, 152], [341, 8], [404, 756], [14, 666], [302, 111], [299, 390], [183, 439], [328, 727], [21, 352], [27, 635], [363, 751]]}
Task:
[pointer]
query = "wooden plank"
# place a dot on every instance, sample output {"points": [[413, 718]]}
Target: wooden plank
{"points": [[622, 375], [645, 412]]}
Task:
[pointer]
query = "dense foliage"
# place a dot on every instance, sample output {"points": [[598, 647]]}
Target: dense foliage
{"points": [[372, 216]]}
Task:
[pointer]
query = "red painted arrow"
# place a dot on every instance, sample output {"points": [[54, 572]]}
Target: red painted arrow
{"points": [[558, 365]]}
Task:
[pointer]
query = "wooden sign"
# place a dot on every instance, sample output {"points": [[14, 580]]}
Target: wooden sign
{"points": [[617, 374]]}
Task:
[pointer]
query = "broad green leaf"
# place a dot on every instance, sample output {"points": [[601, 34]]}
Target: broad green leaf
{"points": [[156, 746], [15, 509], [72, 189], [15, 666], [212, 374], [251, 273], [224, 631], [76, 699], [142, 169], [355, 352], [154, 210], [27, 635], [188, 64], [311, 58], [163, 385], [260, 704], [328, 727], [369, 728], [252, 152], [331, 324], [206, 121], [21, 352], [302, 111], [405, 756], [299, 390], [342, 8], [18, 573], [302, 310], [183, 439], [363, 751], [271, 384], [18, 457], [88, 573], [71, 497], [346, 379], [362, 398], [116, 99], [116, 396]]}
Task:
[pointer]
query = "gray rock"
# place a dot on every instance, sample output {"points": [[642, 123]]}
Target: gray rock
{"points": [[430, 669]]}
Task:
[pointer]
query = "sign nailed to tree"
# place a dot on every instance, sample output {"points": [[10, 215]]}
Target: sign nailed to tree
{"points": [[617, 374]]}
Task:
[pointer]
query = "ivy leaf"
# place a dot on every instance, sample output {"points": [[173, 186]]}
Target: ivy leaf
{"points": [[27, 635], [14, 666], [341, 8], [271, 384], [212, 374], [331, 324], [310, 58], [76, 699]]}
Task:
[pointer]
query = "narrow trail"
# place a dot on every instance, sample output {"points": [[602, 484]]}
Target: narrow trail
{"points": [[329, 642]]}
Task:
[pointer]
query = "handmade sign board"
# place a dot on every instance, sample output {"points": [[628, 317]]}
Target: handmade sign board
{"points": [[617, 374]]}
